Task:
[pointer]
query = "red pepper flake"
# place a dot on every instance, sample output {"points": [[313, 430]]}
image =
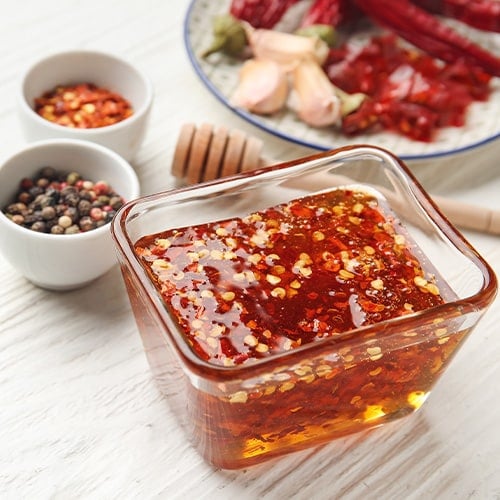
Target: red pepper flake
{"points": [[83, 105]]}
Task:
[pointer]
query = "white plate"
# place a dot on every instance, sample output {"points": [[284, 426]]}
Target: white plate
{"points": [[220, 75]]}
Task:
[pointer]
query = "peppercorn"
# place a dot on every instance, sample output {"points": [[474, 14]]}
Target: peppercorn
{"points": [[115, 202], [43, 182], [29, 219], [73, 229], [85, 194], [26, 184], [72, 213], [38, 226], [96, 213], [103, 199], [35, 191], [24, 197], [48, 212], [84, 207], [16, 208], [73, 177], [86, 223], [49, 203], [18, 219], [49, 172]]}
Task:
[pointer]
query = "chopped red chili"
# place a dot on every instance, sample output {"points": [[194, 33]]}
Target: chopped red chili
{"points": [[409, 92], [83, 105]]}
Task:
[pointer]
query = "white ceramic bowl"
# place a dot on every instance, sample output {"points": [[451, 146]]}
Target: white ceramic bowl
{"points": [[68, 261], [101, 69]]}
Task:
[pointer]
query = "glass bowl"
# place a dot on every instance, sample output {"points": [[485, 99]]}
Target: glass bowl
{"points": [[241, 413]]}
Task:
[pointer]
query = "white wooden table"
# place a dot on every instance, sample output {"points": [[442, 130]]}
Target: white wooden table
{"points": [[80, 416]]}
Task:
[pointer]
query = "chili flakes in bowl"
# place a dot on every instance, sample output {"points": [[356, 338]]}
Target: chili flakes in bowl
{"points": [[84, 105]]}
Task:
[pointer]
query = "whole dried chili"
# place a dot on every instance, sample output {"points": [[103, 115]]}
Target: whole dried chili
{"points": [[83, 105], [427, 32], [329, 12], [260, 13], [481, 14]]}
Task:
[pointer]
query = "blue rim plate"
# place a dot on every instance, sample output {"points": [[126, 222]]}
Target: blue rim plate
{"points": [[220, 75]]}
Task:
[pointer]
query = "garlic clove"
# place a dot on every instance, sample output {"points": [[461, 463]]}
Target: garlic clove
{"points": [[262, 87], [286, 49], [314, 97]]}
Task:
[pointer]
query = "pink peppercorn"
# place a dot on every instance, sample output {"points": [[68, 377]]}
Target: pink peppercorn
{"points": [[96, 213], [101, 187]]}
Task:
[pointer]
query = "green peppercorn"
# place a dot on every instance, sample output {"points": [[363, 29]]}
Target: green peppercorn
{"points": [[72, 178]]}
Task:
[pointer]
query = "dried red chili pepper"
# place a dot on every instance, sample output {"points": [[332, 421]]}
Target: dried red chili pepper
{"points": [[260, 13], [425, 31], [83, 105], [329, 12], [481, 14]]}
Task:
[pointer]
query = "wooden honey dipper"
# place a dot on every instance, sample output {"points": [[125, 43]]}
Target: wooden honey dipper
{"points": [[207, 153]]}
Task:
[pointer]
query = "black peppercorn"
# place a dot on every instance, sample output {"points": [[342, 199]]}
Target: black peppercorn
{"points": [[49, 172], [38, 226], [84, 207]]}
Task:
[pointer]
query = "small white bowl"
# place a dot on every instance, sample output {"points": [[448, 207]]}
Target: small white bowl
{"points": [[101, 69], [67, 261]]}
